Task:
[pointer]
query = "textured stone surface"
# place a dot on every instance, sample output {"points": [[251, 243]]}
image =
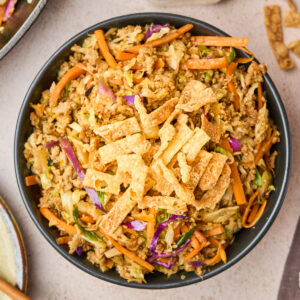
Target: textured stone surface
{"points": [[51, 276]]}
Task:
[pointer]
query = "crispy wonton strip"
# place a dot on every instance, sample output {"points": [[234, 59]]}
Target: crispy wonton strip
{"points": [[104, 49], [195, 144], [117, 130], [206, 64], [70, 75], [237, 186], [220, 41], [129, 254], [212, 130], [198, 169], [291, 19], [213, 171], [133, 143], [295, 47], [231, 87], [213, 196], [185, 169], [171, 204], [166, 39], [275, 35], [292, 5], [54, 220], [125, 56]]}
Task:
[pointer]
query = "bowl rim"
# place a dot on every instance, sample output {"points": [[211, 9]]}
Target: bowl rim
{"points": [[166, 285]]}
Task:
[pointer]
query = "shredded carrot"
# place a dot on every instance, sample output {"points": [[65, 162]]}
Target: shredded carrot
{"points": [[176, 233], [125, 55], [116, 81], [215, 231], [259, 96], [104, 49], [129, 230], [224, 143], [217, 258], [220, 41], [109, 263], [164, 259], [31, 180], [166, 39], [54, 220], [137, 80], [243, 60], [206, 64], [70, 75], [237, 186], [265, 147], [230, 71], [151, 225], [63, 240], [192, 253], [201, 238], [194, 242], [250, 219], [129, 254], [159, 63], [253, 213], [146, 218], [184, 228], [2, 12], [87, 219]]}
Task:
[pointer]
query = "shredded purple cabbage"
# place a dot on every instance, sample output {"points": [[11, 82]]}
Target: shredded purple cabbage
{"points": [[104, 90], [235, 144], [130, 99], [154, 28], [205, 115], [196, 264], [167, 265], [136, 225], [79, 250], [76, 165], [51, 144], [9, 8]]}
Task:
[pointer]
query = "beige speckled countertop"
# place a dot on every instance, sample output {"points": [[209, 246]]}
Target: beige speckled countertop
{"points": [[258, 275]]}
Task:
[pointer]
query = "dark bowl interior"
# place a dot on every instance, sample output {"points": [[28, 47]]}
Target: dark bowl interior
{"points": [[245, 239], [16, 26]]}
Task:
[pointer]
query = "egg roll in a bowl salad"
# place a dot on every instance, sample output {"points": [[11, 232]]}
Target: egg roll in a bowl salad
{"points": [[153, 149]]}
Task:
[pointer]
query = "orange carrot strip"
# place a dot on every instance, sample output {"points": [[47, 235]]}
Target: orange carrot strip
{"points": [[257, 216], [125, 56], [116, 81], [63, 240], [151, 225], [192, 253], [176, 233], [224, 143], [159, 63], [54, 220], [166, 39], [231, 87], [2, 12], [206, 64], [220, 41], [164, 259], [104, 49], [201, 238], [127, 253], [70, 75], [87, 219], [132, 231], [184, 228], [146, 218], [237, 186], [31, 180], [109, 263], [215, 231], [217, 258], [194, 242], [243, 60], [253, 213], [265, 147], [259, 96]]}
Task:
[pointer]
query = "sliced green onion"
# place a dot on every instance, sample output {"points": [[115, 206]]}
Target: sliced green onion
{"points": [[92, 236], [185, 237], [257, 180], [67, 89], [204, 50], [101, 195], [220, 150], [231, 56], [207, 77], [162, 216]]}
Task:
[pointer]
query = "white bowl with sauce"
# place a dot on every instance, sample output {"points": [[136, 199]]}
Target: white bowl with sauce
{"points": [[13, 263]]}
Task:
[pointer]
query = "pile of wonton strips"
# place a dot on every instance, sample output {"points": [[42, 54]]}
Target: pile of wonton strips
{"points": [[177, 163]]}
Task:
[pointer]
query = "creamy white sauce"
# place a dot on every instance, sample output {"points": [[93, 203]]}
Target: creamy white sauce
{"points": [[8, 268]]}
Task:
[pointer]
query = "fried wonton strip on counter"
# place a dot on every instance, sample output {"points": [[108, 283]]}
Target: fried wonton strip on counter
{"points": [[171, 204], [131, 144], [200, 164], [195, 95], [96, 180], [275, 36], [295, 47], [213, 171], [291, 19], [194, 145], [117, 130], [212, 197]]}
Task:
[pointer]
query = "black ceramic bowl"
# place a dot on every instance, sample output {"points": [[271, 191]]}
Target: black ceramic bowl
{"points": [[245, 239], [16, 26]]}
